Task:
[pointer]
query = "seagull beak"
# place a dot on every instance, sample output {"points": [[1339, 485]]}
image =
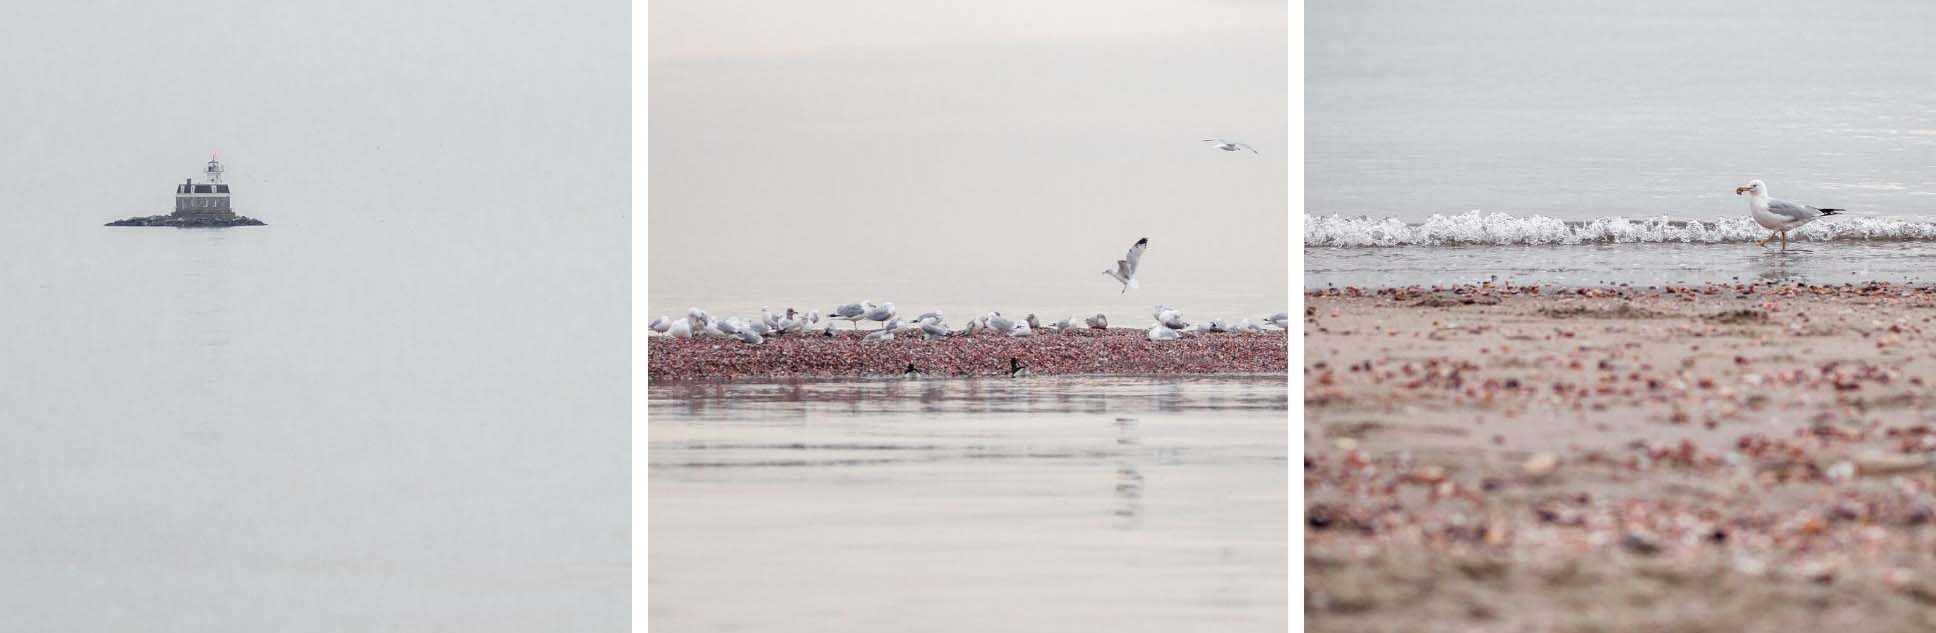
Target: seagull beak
{"points": [[1741, 190]]}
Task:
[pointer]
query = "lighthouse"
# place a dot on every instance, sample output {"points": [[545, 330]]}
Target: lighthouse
{"points": [[205, 200], [202, 204]]}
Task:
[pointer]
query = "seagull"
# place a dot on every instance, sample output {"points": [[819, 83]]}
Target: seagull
{"points": [[1021, 328], [1779, 216], [931, 330], [698, 318], [1229, 146], [750, 336], [1246, 327], [1170, 318], [793, 323], [1281, 320], [1098, 322], [936, 315], [1033, 323], [1065, 324], [1160, 332], [877, 336], [1125, 272], [661, 324], [852, 312], [681, 328], [881, 312], [999, 323]]}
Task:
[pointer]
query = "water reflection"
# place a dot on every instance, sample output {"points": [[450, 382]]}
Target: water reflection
{"points": [[1002, 489], [1041, 395], [1775, 266], [1129, 477], [1637, 264]]}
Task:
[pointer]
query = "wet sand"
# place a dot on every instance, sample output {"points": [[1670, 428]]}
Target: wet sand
{"points": [[1113, 351], [1709, 458]]}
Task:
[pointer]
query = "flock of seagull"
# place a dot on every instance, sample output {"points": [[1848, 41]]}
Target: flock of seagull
{"points": [[1169, 325]]}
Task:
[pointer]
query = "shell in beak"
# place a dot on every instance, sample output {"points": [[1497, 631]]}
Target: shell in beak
{"points": [[1741, 190]]}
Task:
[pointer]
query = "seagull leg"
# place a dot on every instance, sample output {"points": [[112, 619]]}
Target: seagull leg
{"points": [[1764, 243], [1784, 241]]}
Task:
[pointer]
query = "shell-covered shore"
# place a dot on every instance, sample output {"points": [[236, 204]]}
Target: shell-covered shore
{"points": [[1081, 351]]}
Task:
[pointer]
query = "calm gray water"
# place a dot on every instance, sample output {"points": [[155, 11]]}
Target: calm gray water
{"points": [[1443, 139], [318, 425], [1045, 504]]}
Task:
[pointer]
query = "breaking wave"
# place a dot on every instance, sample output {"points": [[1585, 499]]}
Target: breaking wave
{"points": [[1476, 228]]}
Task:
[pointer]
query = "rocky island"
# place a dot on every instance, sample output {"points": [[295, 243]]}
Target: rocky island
{"points": [[198, 205]]}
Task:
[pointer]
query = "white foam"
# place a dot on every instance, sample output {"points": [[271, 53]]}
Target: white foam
{"points": [[1477, 228]]}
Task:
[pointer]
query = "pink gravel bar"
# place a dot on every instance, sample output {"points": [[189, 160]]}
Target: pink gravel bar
{"points": [[1123, 351]]}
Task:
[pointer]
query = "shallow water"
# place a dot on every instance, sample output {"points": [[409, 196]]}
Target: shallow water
{"points": [[1046, 504], [1581, 110], [1474, 247], [1581, 124]]}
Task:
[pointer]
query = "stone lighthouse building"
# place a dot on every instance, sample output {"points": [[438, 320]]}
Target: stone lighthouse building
{"points": [[204, 200]]}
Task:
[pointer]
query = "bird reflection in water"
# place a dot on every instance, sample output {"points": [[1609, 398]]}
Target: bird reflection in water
{"points": [[1129, 477]]}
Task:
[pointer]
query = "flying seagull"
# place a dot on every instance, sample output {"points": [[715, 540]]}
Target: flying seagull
{"points": [[1229, 145], [1125, 272], [1779, 216]]}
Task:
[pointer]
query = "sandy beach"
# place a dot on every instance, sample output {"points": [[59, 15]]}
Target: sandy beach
{"points": [[1708, 458], [1123, 351]]}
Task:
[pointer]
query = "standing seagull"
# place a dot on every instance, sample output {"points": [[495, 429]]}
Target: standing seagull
{"points": [[1230, 146], [1125, 272], [852, 312], [1780, 216], [881, 312]]}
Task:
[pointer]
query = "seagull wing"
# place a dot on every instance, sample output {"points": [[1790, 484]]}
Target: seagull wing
{"points": [[1793, 211], [1253, 150], [1135, 258]]}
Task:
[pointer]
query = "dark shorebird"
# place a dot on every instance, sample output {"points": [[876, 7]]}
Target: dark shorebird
{"points": [[1016, 369]]}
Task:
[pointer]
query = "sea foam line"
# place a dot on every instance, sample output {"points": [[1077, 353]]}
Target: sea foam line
{"points": [[1478, 228]]}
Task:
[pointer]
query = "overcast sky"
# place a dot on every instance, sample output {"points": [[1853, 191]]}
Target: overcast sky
{"points": [[952, 140]]}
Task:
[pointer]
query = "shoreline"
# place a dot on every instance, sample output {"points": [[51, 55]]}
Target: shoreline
{"points": [[1115, 351], [1752, 453]]}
